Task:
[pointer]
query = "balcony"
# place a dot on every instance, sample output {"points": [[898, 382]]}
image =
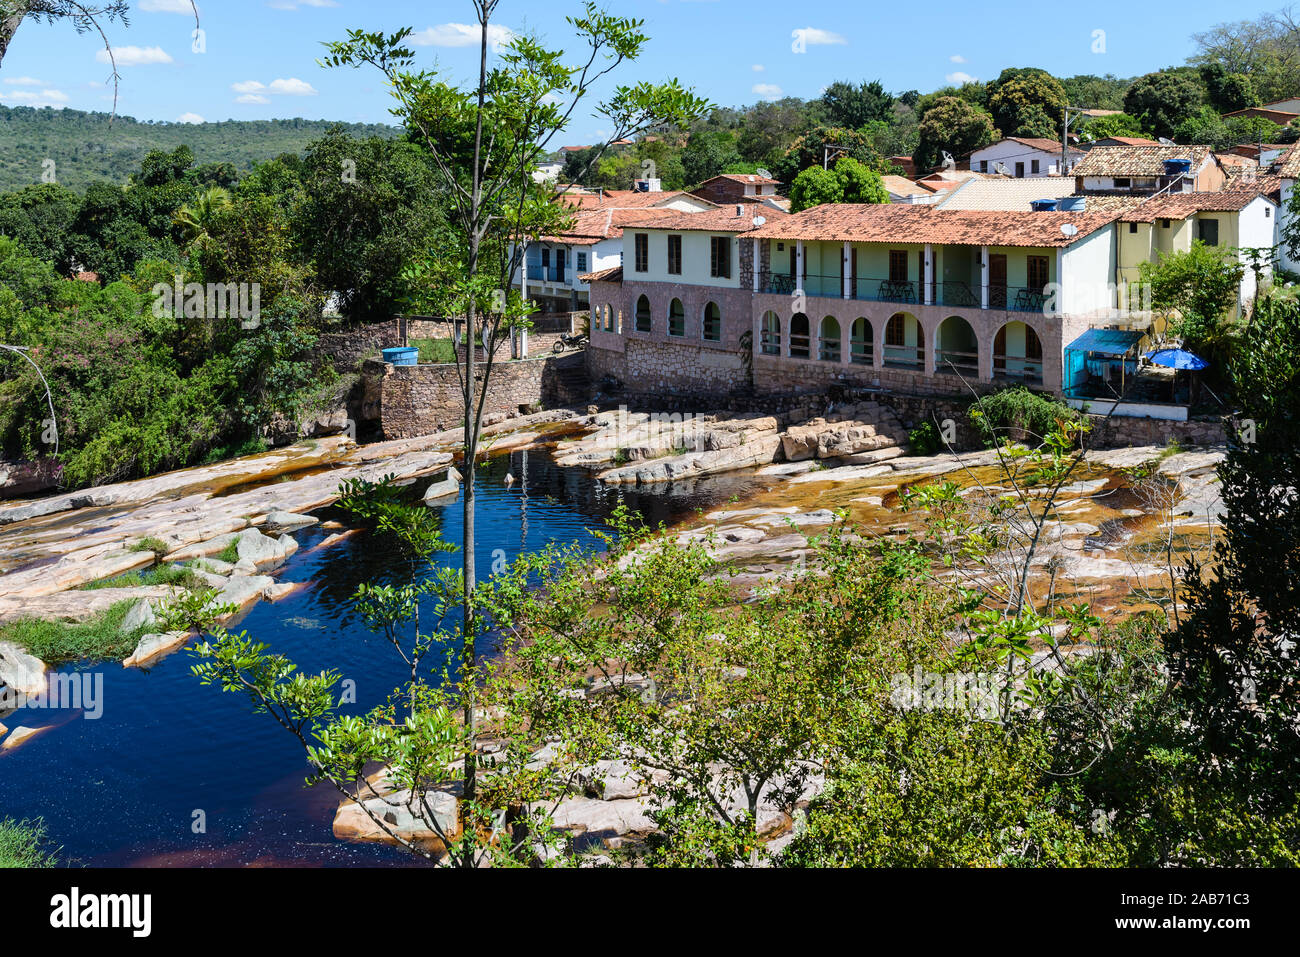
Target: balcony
{"points": [[555, 274], [958, 294]]}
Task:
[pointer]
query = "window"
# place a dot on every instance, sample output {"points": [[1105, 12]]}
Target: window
{"points": [[861, 342], [582, 262], [1132, 227], [1207, 231], [1037, 271], [642, 253], [828, 344], [711, 328], [1033, 166], [898, 265], [676, 318], [642, 314], [1020, 170], [675, 255], [1268, 212], [1164, 224], [896, 330], [720, 257], [1123, 182], [799, 336], [984, 166], [609, 318]]}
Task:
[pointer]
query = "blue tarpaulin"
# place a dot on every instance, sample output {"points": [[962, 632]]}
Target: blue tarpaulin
{"points": [[1107, 342]]}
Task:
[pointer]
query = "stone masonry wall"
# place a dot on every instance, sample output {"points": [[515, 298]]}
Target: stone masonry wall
{"points": [[418, 400]]}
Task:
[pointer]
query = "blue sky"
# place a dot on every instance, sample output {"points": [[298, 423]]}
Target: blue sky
{"points": [[260, 56]]}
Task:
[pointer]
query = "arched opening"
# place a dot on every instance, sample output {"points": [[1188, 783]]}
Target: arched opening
{"points": [[609, 318], [643, 314], [711, 327], [676, 318], [862, 342], [1018, 353], [799, 339], [771, 334], [828, 340], [956, 348], [904, 342]]}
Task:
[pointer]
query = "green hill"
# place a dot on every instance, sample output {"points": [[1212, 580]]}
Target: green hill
{"points": [[85, 147]]}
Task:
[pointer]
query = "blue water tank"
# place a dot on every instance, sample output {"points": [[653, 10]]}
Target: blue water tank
{"points": [[1174, 167], [402, 355], [1042, 205], [1072, 204]]}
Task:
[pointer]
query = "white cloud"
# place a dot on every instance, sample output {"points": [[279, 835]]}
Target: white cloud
{"points": [[135, 56], [766, 91], [461, 35], [956, 58], [758, 68], [23, 81], [292, 87], [55, 98], [958, 78], [252, 90], [167, 6], [190, 118], [814, 37]]}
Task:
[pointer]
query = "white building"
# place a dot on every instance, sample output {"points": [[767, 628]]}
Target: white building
{"points": [[1022, 156]]}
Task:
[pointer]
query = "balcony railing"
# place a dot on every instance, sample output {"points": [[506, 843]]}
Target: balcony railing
{"points": [[549, 274], [1018, 368], [956, 293]]}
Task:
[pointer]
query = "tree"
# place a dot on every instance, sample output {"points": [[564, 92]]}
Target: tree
{"points": [[1234, 658], [484, 142], [858, 183], [821, 143], [1199, 286], [953, 126], [815, 187], [1116, 124], [195, 218], [1228, 92], [708, 153], [856, 106], [1163, 100], [1027, 102]]}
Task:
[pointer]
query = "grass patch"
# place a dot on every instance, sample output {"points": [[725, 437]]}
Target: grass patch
{"points": [[23, 844], [161, 575], [435, 350], [96, 638], [229, 554], [155, 545]]}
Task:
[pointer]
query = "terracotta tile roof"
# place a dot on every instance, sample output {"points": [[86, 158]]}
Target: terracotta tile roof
{"points": [[752, 179], [1033, 142], [1136, 160], [1280, 117], [721, 220], [591, 226], [902, 186], [1182, 205], [1288, 164], [612, 274], [845, 222], [625, 198], [1129, 140], [1119, 201]]}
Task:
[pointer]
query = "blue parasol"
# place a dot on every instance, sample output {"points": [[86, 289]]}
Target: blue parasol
{"points": [[1178, 359]]}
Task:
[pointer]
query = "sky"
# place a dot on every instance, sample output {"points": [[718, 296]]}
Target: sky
{"points": [[259, 60]]}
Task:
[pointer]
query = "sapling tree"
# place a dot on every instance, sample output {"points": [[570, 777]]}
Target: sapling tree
{"points": [[485, 141]]}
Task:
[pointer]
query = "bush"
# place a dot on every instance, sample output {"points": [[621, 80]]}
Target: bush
{"points": [[1016, 413], [22, 844], [924, 439]]}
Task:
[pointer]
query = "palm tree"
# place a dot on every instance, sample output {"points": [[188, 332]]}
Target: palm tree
{"points": [[195, 218]]}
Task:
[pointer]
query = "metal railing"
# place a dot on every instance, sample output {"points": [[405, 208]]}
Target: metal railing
{"points": [[954, 293], [549, 274], [1018, 368]]}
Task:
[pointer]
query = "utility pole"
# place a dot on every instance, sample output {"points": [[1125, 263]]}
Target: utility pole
{"points": [[827, 148], [1065, 132]]}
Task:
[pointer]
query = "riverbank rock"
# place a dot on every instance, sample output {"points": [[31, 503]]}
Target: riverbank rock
{"points": [[20, 671], [402, 813], [152, 648], [20, 735], [441, 493], [141, 615], [278, 523]]}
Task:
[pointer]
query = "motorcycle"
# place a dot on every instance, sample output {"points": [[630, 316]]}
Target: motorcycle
{"points": [[568, 342]]}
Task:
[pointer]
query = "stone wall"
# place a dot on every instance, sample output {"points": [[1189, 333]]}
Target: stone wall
{"points": [[418, 400], [347, 349]]}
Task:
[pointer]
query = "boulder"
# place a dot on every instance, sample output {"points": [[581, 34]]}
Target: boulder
{"points": [[19, 735], [441, 493], [261, 550], [402, 815], [243, 590], [603, 819], [799, 442], [141, 615], [153, 647], [279, 522], [22, 672]]}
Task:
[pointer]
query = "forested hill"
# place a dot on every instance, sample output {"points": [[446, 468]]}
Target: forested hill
{"points": [[85, 147]]}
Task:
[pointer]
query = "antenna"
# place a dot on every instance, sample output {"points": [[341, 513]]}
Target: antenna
{"points": [[948, 161], [1000, 167], [1166, 141], [1069, 229], [764, 173]]}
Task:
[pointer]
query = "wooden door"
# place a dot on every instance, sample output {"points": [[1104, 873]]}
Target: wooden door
{"points": [[997, 281]]}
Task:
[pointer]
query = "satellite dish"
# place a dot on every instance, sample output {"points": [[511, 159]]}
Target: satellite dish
{"points": [[948, 161], [759, 220], [1069, 229], [1001, 168], [764, 173], [1166, 141]]}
